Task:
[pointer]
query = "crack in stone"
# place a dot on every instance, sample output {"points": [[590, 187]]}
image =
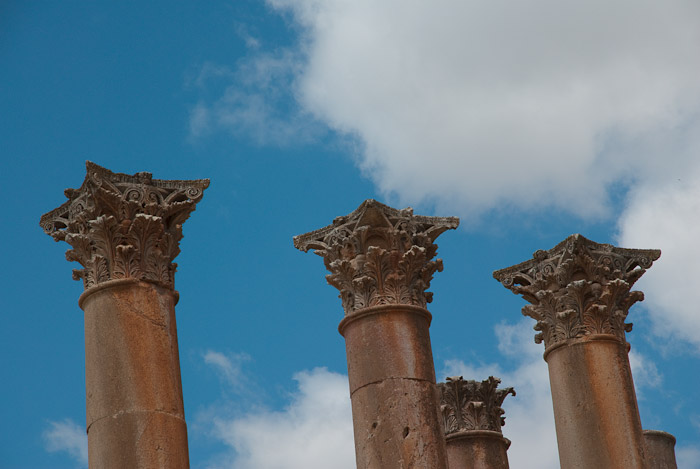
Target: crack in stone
{"points": [[387, 379], [128, 412]]}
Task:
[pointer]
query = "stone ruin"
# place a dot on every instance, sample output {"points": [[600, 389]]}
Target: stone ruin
{"points": [[124, 230]]}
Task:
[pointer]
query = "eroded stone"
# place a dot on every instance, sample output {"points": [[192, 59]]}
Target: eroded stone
{"points": [[125, 230], [382, 260], [472, 418], [660, 449]]}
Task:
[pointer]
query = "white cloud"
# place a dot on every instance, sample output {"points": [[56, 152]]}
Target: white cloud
{"points": [[313, 432], [67, 436], [316, 426], [529, 415], [484, 104], [667, 216]]}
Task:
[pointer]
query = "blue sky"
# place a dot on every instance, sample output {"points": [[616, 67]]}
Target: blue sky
{"points": [[529, 122]]}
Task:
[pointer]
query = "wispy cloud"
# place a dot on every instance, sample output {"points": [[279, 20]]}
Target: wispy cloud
{"points": [[244, 33], [229, 367], [69, 437], [645, 372], [257, 102]]}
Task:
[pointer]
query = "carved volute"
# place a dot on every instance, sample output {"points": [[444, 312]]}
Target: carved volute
{"points": [[579, 288], [472, 405], [122, 226], [379, 255]]}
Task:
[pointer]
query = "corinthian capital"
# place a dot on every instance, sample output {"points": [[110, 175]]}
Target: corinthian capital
{"points": [[379, 255], [579, 288], [122, 226], [472, 405]]}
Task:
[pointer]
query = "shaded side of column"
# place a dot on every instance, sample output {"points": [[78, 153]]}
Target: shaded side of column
{"points": [[580, 295], [125, 231], [381, 261], [472, 420], [660, 449]]}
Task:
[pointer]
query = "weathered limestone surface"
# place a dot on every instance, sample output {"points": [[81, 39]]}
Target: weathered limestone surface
{"points": [[477, 450], [660, 449], [388, 342], [472, 418], [381, 261], [580, 295], [395, 425], [595, 405], [132, 375], [124, 230]]}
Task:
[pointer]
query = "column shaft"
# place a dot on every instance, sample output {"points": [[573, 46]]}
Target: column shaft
{"points": [[477, 449], [659, 449], [124, 230], [392, 387], [135, 413], [580, 294], [472, 418], [382, 261], [595, 406]]}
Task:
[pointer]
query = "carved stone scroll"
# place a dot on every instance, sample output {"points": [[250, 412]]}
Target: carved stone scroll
{"points": [[124, 226], [472, 405], [379, 255], [579, 288]]}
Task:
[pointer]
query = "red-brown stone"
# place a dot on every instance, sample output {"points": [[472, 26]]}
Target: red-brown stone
{"points": [[595, 406], [660, 449], [392, 388], [135, 413], [477, 449], [382, 261]]}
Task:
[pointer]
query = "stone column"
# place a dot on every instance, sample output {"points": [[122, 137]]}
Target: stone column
{"points": [[660, 449], [581, 293], [125, 230], [473, 417], [381, 260]]}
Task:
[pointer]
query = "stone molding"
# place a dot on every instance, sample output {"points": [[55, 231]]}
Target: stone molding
{"points": [[124, 226], [378, 255], [469, 405], [579, 288]]}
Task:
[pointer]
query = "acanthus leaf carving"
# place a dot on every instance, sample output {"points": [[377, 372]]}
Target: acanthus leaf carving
{"points": [[378, 255], [579, 288], [124, 226], [468, 405]]}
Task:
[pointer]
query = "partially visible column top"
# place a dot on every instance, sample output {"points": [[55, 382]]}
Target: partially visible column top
{"points": [[579, 288], [378, 255], [468, 405], [124, 226]]}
